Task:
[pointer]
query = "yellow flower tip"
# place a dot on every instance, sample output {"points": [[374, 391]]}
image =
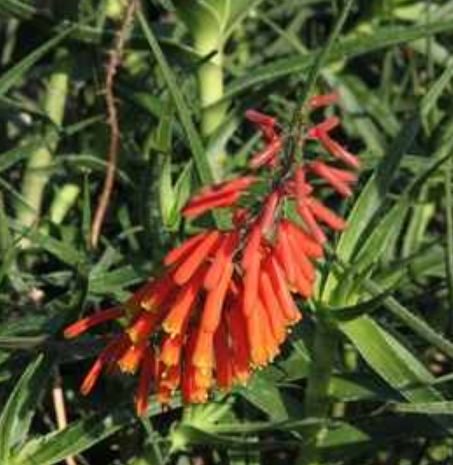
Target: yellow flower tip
{"points": [[170, 329], [130, 361], [150, 305], [134, 335]]}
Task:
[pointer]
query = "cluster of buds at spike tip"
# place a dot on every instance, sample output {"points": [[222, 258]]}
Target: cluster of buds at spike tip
{"points": [[224, 303]]}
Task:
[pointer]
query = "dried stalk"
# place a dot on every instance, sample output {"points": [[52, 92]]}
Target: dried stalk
{"points": [[113, 65]]}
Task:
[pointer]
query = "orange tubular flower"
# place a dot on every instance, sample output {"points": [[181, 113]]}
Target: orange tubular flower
{"points": [[148, 369], [226, 299]]}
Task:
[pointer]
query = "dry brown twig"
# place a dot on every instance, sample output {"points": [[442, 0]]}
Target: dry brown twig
{"points": [[60, 411], [114, 63]]}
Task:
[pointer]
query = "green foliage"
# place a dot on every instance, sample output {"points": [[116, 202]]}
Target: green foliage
{"points": [[365, 377]]}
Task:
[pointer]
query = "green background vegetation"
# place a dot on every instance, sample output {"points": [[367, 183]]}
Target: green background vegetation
{"points": [[366, 377]]}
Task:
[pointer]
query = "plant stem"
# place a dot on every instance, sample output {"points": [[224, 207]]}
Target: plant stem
{"points": [[211, 90], [63, 201], [37, 172], [317, 397]]}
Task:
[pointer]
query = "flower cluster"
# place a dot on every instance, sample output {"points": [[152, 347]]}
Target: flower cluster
{"points": [[226, 298]]}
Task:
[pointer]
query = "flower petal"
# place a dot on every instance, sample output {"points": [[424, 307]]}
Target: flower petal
{"points": [[195, 259]]}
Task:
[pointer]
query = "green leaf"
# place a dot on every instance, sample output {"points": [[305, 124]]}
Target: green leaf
{"points": [[392, 361], [430, 408], [56, 446], [166, 191], [182, 188], [8, 249], [121, 278], [370, 200], [78, 437], [14, 75], [59, 249], [420, 327], [356, 387], [375, 245], [194, 139], [349, 48], [344, 314], [347, 440], [17, 9], [322, 56], [17, 154], [19, 408], [437, 89], [265, 396], [238, 12]]}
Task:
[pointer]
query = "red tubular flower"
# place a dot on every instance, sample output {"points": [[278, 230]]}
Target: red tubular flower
{"points": [[326, 100], [265, 123], [338, 179], [171, 350], [214, 302], [335, 149], [220, 195], [221, 260], [154, 295], [112, 352], [203, 355], [260, 118], [85, 324], [142, 326], [311, 224], [178, 316], [186, 247], [310, 247], [223, 358], [148, 369], [170, 381], [285, 255], [325, 215], [268, 155], [326, 126], [131, 359], [251, 281], [195, 259], [226, 299], [240, 344]]}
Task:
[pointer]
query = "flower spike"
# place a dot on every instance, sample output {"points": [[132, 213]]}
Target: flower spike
{"points": [[226, 299]]}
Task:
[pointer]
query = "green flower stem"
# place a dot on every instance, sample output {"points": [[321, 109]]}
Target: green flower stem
{"points": [[211, 90], [63, 201], [37, 172], [317, 397]]}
